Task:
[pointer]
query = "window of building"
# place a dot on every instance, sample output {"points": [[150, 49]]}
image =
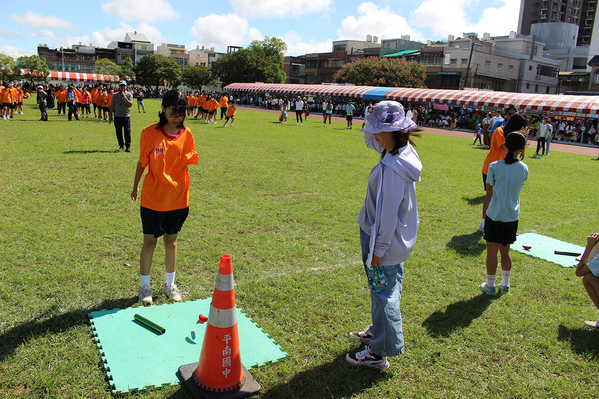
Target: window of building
{"points": [[464, 61], [536, 88], [547, 90], [528, 85], [500, 65], [579, 63], [454, 61], [530, 67], [488, 64], [339, 47], [510, 68]]}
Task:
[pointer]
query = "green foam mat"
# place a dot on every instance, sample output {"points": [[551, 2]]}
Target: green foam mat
{"points": [[543, 247], [136, 357]]}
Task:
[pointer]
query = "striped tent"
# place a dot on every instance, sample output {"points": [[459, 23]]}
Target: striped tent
{"points": [[491, 99], [82, 77]]}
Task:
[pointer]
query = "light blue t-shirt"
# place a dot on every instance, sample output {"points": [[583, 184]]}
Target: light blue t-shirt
{"points": [[594, 265], [350, 109], [507, 181]]}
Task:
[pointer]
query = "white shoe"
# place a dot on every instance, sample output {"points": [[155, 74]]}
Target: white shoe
{"points": [[301, 124], [172, 292], [145, 295]]}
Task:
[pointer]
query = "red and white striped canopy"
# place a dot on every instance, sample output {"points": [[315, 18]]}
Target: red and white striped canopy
{"points": [[488, 99], [82, 77]]}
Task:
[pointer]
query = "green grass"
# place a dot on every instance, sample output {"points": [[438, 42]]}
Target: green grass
{"points": [[282, 201]]}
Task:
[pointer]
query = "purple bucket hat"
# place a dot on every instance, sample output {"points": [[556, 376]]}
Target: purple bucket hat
{"points": [[389, 116]]}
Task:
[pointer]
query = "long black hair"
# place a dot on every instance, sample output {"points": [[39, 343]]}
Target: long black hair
{"points": [[401, 140], [176, 99], [514, 140]]}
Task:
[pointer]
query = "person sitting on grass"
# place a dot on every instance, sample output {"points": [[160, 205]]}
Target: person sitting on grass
{"points": [[166, 148], [588, 269], [504, 182]]}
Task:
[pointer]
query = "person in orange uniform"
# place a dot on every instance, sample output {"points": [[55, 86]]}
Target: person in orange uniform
{"points": [[19, 98], [94, 99], [7, 100], [224, 102], [191, 102], [231, 109], [61, 95], [166, 148], [211, 105]]}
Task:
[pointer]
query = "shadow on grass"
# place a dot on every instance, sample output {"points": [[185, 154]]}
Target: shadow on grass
{"points": [[583, 341], [476, 200], [18, 335], [90, 152], [457, 316], [468, 244]]}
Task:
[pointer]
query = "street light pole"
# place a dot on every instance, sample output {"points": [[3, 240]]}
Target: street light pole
{"points": [[62, 53]]}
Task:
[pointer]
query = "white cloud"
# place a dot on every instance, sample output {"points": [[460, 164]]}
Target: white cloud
{"points": [[15, 52], [375, 21], [449, 17], [270, 8], [208, 31], [43, 21], [296, 46], [140, 10]]}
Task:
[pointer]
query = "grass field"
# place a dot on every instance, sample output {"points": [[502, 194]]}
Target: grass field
{"points": [[282, 200]]}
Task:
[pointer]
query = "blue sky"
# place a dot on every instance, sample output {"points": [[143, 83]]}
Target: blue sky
{"points": [[307, 26]]}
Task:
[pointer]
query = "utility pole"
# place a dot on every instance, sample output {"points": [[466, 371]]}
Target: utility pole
{"points": [[469, 60]]}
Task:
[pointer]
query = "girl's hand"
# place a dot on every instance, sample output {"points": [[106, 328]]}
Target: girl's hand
{"points": [[134, 195], [376, 261], [592, 240]]}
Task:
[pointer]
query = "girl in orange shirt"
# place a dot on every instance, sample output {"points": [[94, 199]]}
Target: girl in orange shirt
{"points": [[212, 105], [166, 148]]}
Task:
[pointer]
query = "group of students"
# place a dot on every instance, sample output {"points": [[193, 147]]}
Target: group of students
{"points": [[205, 106], [12, 99]]}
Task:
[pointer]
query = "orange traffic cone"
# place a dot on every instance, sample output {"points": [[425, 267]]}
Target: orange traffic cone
{"points": [[220, 372]]}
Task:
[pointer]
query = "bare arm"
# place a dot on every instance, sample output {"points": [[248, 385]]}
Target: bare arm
{"points": [[138, 173], [582, 267]]}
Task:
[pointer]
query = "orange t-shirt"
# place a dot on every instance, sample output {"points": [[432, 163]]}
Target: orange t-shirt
{"points": [[19, 96], [15, 95], [231, 110], [224, 101], [166, 185], [212, 105], [495, 152], [108, 99], [202, 101], [77, 96], [62, 96], [191, 101], [7, 96], [94, 95]]}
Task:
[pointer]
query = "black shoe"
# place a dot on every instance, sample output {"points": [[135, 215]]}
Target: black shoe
{"points": [[128, 150]]}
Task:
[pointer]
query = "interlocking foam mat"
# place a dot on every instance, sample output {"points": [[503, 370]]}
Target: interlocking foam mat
{"points": [[543, 247], [136, 357]]}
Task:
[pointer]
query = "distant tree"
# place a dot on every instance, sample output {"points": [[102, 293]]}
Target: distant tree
{"points": [[197, 76], [106, 67], [126, 70], [7, 66], [376, 71], [156, 69], [261, 61], [34, 63]]}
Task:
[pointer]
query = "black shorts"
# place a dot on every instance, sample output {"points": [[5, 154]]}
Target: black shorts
{"points": [[158, 223], [349, 118], [212, 112], [503, 233]]}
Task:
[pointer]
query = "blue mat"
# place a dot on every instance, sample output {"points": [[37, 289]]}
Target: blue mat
{"points": [[543, 247], [136, 357]]}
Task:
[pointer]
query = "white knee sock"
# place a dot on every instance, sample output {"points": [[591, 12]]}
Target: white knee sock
{"points": [[145, 280], [170, 279], [505, 277], [490, 280]]}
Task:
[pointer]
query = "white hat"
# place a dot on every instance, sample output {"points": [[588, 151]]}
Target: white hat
{"points": [[122, 83], [389, 116]]}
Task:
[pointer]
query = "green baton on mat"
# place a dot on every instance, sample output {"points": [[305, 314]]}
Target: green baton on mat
{"points": [[149, 323]]}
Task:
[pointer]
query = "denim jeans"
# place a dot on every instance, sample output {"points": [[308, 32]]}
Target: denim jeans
{"points": [[120, 124], [387, 329]]}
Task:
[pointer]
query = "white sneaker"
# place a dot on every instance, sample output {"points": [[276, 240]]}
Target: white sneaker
{"points": [[172, 292], [301, 124], [145, 295]]}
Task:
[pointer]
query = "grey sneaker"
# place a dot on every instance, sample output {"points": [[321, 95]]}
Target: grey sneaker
{"points": [[362, 336], [593, 325], [172, 292], [488, 290], [145, 295], [505, 289]]}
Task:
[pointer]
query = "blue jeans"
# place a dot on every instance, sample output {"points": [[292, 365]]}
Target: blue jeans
{"points": [[120, 124], [387, 329]]}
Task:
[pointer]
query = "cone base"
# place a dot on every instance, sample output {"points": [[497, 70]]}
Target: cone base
{"points": [[186, 372]]}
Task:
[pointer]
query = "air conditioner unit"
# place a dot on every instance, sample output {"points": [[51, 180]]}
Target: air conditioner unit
{"points": [[538, 77]]}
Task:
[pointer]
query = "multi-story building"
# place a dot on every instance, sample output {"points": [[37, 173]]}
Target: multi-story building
{"points": [[134, 46], [203, 56], [176, 51], [540, 11], [295, 69], [78, 58]]}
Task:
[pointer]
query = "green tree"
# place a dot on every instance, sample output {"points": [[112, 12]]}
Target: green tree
{"points": [[126, 72], [261, 61], [7, 66], [376, 71], [107, 67], [197, 76], [156, 69], [34, 62]]}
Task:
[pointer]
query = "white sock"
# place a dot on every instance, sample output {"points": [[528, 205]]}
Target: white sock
{"points": [[145, 280], [505, 277], [490, 280], [170, 279], [483, 223]]}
